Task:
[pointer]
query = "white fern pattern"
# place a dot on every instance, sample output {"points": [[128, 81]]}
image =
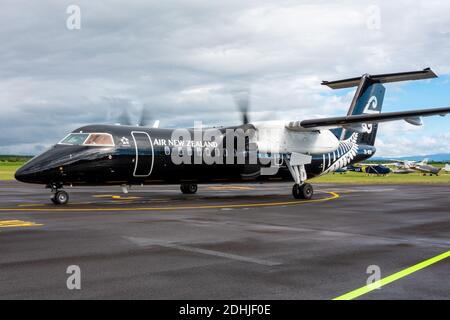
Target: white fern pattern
{"points": [[345, 153]]}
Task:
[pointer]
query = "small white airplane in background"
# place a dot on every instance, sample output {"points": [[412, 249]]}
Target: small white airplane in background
{"points": [[407, 166], [447, 167]]}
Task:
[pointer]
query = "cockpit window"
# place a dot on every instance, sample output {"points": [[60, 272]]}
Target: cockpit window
{"points": [[102, 139], [75, 139], [88, 139]]}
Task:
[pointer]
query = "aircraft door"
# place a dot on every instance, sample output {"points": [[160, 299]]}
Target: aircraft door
{"points": [[144, 154]]}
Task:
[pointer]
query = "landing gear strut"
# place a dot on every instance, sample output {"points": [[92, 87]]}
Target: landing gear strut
{"points": [[59, 197], [188, 188], [302, 191], [296, 165]]}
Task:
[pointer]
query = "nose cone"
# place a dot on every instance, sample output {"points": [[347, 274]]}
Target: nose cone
{"points": [[29, 172], [40, 169], [22, 174]]}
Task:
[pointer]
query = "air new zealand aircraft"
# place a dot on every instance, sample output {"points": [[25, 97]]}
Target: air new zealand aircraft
{"points": [[252, 152]]}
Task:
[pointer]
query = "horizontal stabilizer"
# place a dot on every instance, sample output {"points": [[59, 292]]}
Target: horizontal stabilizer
{"points": [[382, 78], [354, 120]]}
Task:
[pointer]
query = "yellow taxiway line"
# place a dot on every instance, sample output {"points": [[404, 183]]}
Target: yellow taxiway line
{"points": [[17, 223], [112, 196], [231, 188], [396, 276], [333, 195]]}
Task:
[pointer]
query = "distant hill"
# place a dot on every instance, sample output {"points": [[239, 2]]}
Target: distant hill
{"points": [[438, 157]]}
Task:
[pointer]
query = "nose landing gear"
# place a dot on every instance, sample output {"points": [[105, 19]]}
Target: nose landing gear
{"points": [[59, 197], [188, 188]]}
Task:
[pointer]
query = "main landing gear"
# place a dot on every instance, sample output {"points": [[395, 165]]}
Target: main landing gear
{"points": [[302, 191], [296, 165], [59, 197], [188, 188]]}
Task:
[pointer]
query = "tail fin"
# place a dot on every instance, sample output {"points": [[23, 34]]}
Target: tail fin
{"points": [[368, 101], [369, 97]]}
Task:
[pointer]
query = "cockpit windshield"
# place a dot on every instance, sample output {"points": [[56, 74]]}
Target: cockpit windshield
{"points": [[75, 139], [88, 139], [100, 139]]}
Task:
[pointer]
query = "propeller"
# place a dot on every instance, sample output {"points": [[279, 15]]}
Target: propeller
{"points": [[242, 100], [145, 118], [124, 118]]}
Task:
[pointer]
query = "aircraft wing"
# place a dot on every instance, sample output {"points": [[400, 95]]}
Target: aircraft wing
{"points": [[358, 122], [403, 162], [395, 164]]}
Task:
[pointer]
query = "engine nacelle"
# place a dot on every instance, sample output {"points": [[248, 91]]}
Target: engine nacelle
{"points": [[273, 137]]}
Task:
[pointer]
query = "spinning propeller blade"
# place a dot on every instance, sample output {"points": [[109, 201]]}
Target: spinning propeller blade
{"points": [[124, 118], [145, 118], [242, 100]]}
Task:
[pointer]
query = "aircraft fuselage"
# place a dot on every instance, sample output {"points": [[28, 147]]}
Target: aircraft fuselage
{"points": [[142, 155]]}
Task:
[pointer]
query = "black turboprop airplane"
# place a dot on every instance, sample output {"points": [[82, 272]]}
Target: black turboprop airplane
{"points": [[300, 150]]}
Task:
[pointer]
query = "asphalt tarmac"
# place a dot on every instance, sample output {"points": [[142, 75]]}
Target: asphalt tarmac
{"points": [[225, 242]]}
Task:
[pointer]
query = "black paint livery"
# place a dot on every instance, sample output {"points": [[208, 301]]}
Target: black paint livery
{"points": [[141, 161]]}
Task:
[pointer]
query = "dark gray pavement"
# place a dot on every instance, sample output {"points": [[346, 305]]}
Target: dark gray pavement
{"points": [[225, 242]]}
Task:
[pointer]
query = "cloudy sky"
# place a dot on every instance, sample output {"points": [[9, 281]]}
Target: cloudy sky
{"points": [[182, 60]]}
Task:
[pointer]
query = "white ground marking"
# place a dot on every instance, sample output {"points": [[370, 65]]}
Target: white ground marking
{"points": [[145, 242]]}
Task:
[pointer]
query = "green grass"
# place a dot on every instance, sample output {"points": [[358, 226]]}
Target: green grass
{"points": [[392, 178], [7, 169]]}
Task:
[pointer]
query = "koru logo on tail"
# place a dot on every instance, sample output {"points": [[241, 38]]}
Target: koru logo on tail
{"points": [[371, 106]]}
